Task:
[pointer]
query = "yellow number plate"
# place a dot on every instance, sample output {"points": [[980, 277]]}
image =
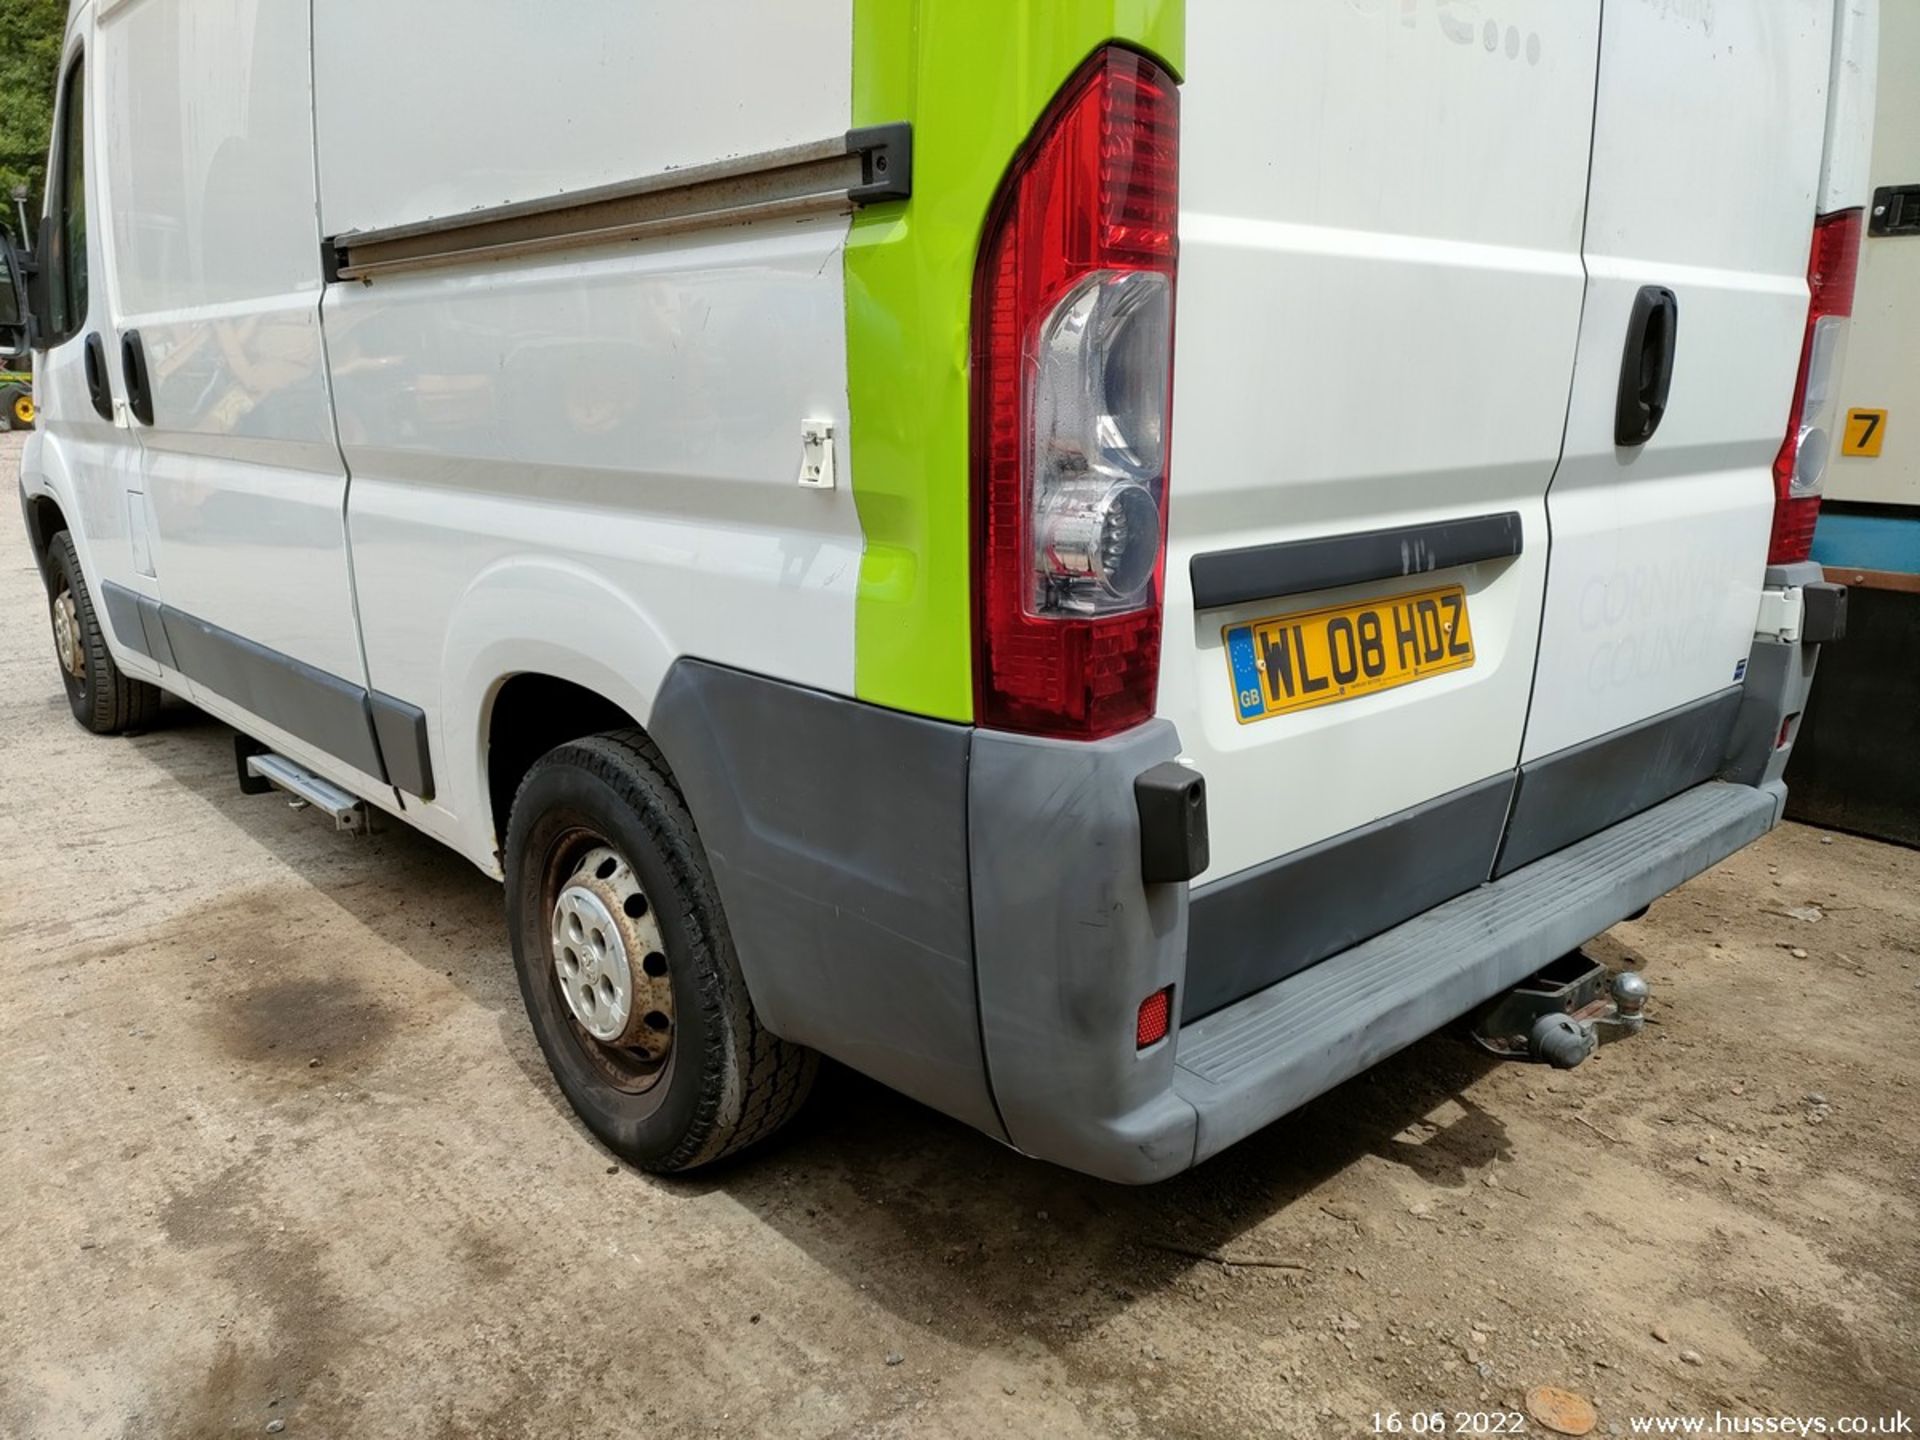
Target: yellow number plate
{"points": [[1294, 662]]}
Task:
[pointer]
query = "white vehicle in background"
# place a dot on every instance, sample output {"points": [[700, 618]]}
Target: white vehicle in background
{"points": [[1854, 764], [732, 494]]}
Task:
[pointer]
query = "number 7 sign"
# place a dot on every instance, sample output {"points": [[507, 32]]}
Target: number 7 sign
{"points": [[1865, 431]]}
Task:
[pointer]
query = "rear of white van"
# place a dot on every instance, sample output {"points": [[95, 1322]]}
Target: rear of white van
{"points": [[1498, 404], [1301, 511]]}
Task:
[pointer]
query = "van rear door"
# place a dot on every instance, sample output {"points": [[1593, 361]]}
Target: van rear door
{"points": [[1379, 301], [1706, 162]]}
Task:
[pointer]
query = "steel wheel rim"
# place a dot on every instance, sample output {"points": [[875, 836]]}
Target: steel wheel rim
{"points": [[66, 636], [607, 961], [23, 409]]}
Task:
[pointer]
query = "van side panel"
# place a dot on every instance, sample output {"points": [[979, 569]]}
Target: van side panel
{"points": [[74, 457], [205, 111], [586, 463], [973, 78], [432, 108]]}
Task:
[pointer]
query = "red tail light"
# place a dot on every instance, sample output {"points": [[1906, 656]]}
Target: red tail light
{"points": [[1800, 469], [1072, 408]]}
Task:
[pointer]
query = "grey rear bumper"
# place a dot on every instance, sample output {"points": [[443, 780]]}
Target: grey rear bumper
{"points": [[1056, 1017], [1244, 1066], [960, 914]]}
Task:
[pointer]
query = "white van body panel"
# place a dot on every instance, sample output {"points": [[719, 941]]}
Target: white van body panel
{"points": [[89, 465], [585, 465], [432, 108], [1366, 346], [208, 149], [669, 519], [1852, 97], [207, 143], [1706, 168]]}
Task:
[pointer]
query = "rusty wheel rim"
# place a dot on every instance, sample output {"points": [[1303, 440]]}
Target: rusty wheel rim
{"points": [[66, 636], [607, 961]]}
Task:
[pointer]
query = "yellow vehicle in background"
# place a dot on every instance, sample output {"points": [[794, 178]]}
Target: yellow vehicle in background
{"points": [[16, 400]]}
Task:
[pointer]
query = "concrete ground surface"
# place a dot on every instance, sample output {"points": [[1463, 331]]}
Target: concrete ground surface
{"points": [[277, 1149]]}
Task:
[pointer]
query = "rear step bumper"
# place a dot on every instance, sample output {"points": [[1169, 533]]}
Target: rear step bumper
{"points": [[1245, 1066]]}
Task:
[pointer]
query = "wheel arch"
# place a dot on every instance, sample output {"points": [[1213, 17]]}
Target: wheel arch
{"points": [[45, 519], [530, 713], [540, 651], [46, 499]]}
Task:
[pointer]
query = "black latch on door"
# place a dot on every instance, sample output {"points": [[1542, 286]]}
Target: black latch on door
{"points": [[133, 365], [1896, 211], [1646, 366]]}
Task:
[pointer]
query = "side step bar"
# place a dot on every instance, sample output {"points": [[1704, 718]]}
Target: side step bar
{"points": [[260, 769], [1244, 1066]]}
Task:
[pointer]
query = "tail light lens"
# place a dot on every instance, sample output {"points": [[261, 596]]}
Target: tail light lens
{"points": [[1072, 408], [1155, 1019], [1800, 469]]}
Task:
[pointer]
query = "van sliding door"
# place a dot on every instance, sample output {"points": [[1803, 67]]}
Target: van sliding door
{"points": [[207, 119]]}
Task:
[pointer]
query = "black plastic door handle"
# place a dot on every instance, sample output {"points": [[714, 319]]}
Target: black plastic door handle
{"points": [[1646, 365], [94, 351], [133, 366]]}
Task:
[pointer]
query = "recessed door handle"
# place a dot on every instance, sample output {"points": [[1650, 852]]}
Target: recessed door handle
{"points": [[94, 353], [1646, 365], [133, 366]]}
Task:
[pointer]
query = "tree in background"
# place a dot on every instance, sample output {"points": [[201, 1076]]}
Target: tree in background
{"points": [[30, 35]]}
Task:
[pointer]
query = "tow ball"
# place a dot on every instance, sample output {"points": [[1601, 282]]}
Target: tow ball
{"points": [[1563, 1014]]}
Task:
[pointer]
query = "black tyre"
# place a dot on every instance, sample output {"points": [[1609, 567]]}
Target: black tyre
{"points": [[104, 700], [626, 966], [18, 404]]}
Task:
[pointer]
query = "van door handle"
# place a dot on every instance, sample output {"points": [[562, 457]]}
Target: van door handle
{"points": [[1646, 366], [94, 351], [133, 365]]}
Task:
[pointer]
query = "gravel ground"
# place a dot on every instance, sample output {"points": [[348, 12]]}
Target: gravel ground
{"points": [[277, 1147]]}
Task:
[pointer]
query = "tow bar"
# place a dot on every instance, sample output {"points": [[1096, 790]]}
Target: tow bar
{"points": [[1563, 1014]]}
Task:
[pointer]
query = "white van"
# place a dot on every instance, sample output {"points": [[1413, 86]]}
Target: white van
{"points": [[714, 466]]}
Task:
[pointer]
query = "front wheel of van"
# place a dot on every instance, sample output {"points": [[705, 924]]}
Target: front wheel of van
{"points": [[102, 698], [626, 965]]}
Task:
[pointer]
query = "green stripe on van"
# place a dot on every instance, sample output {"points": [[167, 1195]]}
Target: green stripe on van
{"points": [[973, 76]]}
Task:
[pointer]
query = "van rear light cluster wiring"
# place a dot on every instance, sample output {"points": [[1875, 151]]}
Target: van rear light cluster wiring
{"points": [[1800, 469], [1072, 408]]}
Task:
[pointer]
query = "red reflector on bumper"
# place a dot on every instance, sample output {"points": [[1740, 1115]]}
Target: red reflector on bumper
{"points": [[1156, 1016]]}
